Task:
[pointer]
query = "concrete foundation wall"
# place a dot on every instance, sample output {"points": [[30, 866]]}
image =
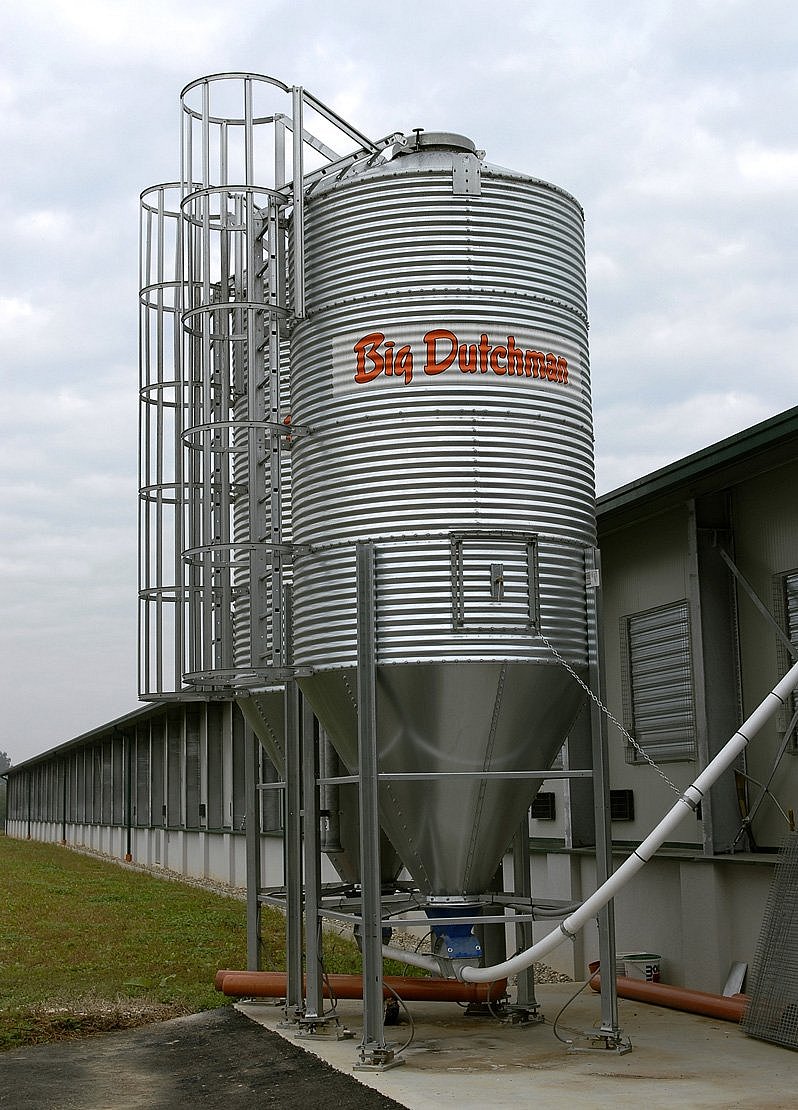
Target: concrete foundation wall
{"points": [[195, 854], [219, 856]]}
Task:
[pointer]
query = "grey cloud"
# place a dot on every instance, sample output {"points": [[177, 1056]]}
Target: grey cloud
{"points": [[665, 120]]}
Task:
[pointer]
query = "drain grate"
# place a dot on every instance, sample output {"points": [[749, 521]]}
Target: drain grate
{"points": [[772, 1013]]}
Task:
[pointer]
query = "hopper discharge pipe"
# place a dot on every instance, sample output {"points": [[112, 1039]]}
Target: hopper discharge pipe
{"points": [[687, 803], [408, 956]]}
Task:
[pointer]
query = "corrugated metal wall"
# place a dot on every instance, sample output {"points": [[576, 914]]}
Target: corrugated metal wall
{"points": [[181, 767]]}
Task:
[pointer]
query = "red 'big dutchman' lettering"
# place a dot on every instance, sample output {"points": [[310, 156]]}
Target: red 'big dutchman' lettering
{"points": [[515, 357], [433, 365], [375, 355], [393, 363]]}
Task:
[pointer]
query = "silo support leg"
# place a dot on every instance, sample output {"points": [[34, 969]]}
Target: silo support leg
{"points": [[294, 1002], [525, 1008], [313, 1018], [610, 1029], [375, 1054], [251, 751], [493, 936]]}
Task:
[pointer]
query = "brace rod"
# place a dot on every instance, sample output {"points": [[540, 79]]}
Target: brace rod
{"points": [[759, 603]]}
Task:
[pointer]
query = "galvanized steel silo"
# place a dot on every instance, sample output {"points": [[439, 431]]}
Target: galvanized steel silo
{"points": [[442, 368]]}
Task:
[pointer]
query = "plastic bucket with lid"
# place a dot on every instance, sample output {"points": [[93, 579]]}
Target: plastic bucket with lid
{"points": [[641, 965]]}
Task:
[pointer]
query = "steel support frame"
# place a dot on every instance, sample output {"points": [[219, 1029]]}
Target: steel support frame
{"points": [[292, 842], [609, 1029], [253, 854], [375, 1054], [314, 994], [526, 1004]]}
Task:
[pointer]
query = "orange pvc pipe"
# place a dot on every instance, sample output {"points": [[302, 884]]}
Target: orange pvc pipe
{"points": [[218, 978], [272, 984], [726, 1008]]}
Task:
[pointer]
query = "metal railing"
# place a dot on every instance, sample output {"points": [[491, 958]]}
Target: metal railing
{"points": [[221, 280]]}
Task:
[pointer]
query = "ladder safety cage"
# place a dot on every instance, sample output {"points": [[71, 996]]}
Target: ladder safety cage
{"points": [[219, 291]]}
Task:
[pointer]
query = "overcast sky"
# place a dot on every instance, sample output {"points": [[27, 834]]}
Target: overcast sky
{"points": [[672, 122]]}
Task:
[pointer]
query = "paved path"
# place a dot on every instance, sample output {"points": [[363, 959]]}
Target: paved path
{"points": [[218, 1059]]}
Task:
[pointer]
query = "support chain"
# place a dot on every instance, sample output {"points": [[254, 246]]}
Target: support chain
{"points": [[608, 714]]}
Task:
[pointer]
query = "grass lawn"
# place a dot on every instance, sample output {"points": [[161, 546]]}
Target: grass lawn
{"points": [[88, 946]]}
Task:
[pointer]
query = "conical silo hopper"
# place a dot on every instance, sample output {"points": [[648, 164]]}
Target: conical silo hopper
{"points": [[442, 368], [264, 712]]}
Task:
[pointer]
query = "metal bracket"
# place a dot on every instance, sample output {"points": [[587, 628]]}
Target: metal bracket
{"points": [[377, 1058], [290, 1021], [497, 581], [315, 1026], [466, 176], [611, 1042], [523, 1015]]}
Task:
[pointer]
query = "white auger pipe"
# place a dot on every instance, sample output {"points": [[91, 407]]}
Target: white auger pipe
{"points": [[408, 956], [687, 803]]}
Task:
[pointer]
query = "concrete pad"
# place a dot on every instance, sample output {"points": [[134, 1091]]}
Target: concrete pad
{"points": [[677, 1059]]}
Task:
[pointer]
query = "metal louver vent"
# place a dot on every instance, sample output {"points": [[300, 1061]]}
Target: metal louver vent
{"points": [[622, 805], [659, 699], [544, 807], [791, 602], [772, 1014]]}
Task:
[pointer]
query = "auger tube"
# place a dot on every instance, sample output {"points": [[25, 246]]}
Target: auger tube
{"points": [[687, 803]]}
